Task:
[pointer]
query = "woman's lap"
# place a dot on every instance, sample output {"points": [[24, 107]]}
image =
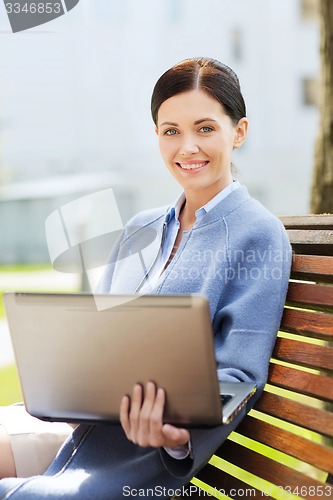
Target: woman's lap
{"points": [[98, 462], [34, 443]]}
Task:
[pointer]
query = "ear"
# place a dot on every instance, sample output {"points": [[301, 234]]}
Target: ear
{"points": [[241, 132], [156, 130]]}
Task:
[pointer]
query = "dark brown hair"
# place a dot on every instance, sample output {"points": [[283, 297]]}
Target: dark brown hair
{"points": [[209, 75]]}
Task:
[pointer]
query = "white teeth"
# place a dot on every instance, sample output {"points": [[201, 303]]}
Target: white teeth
{"points": [[186, 166]]}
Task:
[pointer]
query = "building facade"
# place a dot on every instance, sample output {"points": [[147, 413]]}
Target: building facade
{"points": [[76, 96]]}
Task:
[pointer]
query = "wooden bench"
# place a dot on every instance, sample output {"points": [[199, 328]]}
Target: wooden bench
{"points": [[285, 445]]}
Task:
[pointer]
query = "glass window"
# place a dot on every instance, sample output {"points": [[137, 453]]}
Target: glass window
{"points": [[309, 9], [237, 44], [176, 10], [310, 91]]}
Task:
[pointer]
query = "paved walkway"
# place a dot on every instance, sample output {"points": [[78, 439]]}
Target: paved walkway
{"points": [[39, 280]]}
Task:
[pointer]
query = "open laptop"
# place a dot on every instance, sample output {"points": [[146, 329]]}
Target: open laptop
{"points": [[76, 362]]}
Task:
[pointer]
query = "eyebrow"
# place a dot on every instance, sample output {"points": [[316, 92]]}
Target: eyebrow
{"points": [[197, 122]]}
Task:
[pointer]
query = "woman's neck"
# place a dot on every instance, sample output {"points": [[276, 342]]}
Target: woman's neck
{"points": [[193, 201]]}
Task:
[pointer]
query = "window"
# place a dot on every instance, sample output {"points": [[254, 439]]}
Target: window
{"points": [[176, 11], [310, 91], [309, 10], [237, 44]]}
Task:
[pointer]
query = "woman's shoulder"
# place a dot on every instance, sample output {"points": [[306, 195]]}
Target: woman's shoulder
{"points": [[252, 218]]}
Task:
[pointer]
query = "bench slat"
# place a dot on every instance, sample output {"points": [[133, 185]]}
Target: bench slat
{"points": [[314, 419], [268, 469], [310, 323], [309, 384], [308, 313], [308, 221], [311, 295], [313, 267], [304, 354], [311, 241], [222, 481], [312, 453], [310, 236]]}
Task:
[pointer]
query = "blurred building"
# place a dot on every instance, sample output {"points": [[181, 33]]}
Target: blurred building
{"points": [[75, 100]]}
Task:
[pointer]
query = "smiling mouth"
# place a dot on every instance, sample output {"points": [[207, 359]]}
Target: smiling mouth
{"points": [[192, 166]]}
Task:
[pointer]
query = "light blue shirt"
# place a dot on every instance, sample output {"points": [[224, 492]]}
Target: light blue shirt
{"points": [[171, 228], [172, 225]]}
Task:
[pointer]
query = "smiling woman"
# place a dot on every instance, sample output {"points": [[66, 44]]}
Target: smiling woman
{"points": [[202, 242], [197, 148]]}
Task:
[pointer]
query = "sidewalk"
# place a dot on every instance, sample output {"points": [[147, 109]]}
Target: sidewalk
{"points": [[39, 280]]}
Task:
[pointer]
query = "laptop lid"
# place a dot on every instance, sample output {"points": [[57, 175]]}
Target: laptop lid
{"points": [[76, 362]]}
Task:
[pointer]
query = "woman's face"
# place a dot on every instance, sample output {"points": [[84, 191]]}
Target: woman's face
{"points": [[196, 139]]}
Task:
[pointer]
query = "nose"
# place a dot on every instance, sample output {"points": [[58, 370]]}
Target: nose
{"points": [[188, 146]]}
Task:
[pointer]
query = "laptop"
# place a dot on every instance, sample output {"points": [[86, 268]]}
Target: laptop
{"points": [[76, 362]]}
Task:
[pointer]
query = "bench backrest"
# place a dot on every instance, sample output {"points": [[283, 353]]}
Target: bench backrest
{"points": [[287, 440]]}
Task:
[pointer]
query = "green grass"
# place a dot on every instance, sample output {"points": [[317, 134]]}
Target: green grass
{"points": [[10, 391], [24, 268], [10, 386], [19, 268]]}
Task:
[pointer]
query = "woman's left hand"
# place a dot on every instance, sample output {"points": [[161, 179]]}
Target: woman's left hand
{"points": [[142, 419]]}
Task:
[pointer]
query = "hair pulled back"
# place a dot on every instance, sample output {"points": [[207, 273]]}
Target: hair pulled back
{"points": [[202, 73]]}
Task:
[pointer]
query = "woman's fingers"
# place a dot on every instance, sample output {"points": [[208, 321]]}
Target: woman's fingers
{"points": [[124, 416], [134, 414], [145, 415], [156, 419], [142, 419], [175, 436]]}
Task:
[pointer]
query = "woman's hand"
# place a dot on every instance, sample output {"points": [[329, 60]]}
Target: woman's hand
{"points": [[142, 420]]}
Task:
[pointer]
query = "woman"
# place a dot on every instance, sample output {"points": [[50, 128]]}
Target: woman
{"points": [[215, 240]]}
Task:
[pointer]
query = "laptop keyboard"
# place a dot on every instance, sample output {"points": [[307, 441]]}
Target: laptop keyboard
{"points": [[225, 398]]}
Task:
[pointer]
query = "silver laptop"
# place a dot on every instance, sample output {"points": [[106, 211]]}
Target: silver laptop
{"points": [[76, 362]]}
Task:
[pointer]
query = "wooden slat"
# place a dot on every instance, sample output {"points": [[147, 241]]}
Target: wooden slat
{"points": [[310, 323], [311, 295], [311, 242], [268, 469], [308, 221], [312, 453], [309, 384], [223, 482], [310, 236], [312, 268], [308, 313], [314, 419], [304, 354]]}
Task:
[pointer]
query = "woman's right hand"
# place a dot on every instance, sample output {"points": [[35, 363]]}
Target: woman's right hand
{"points": [[142, 419]]}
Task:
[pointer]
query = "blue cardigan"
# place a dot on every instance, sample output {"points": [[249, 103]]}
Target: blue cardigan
{"points": [[239, 257]]}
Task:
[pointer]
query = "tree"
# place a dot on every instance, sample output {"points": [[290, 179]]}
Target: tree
{"points": [[322, 182]]}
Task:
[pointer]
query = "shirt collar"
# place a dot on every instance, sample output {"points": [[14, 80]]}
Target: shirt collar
{"points": [[175, 209]]}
